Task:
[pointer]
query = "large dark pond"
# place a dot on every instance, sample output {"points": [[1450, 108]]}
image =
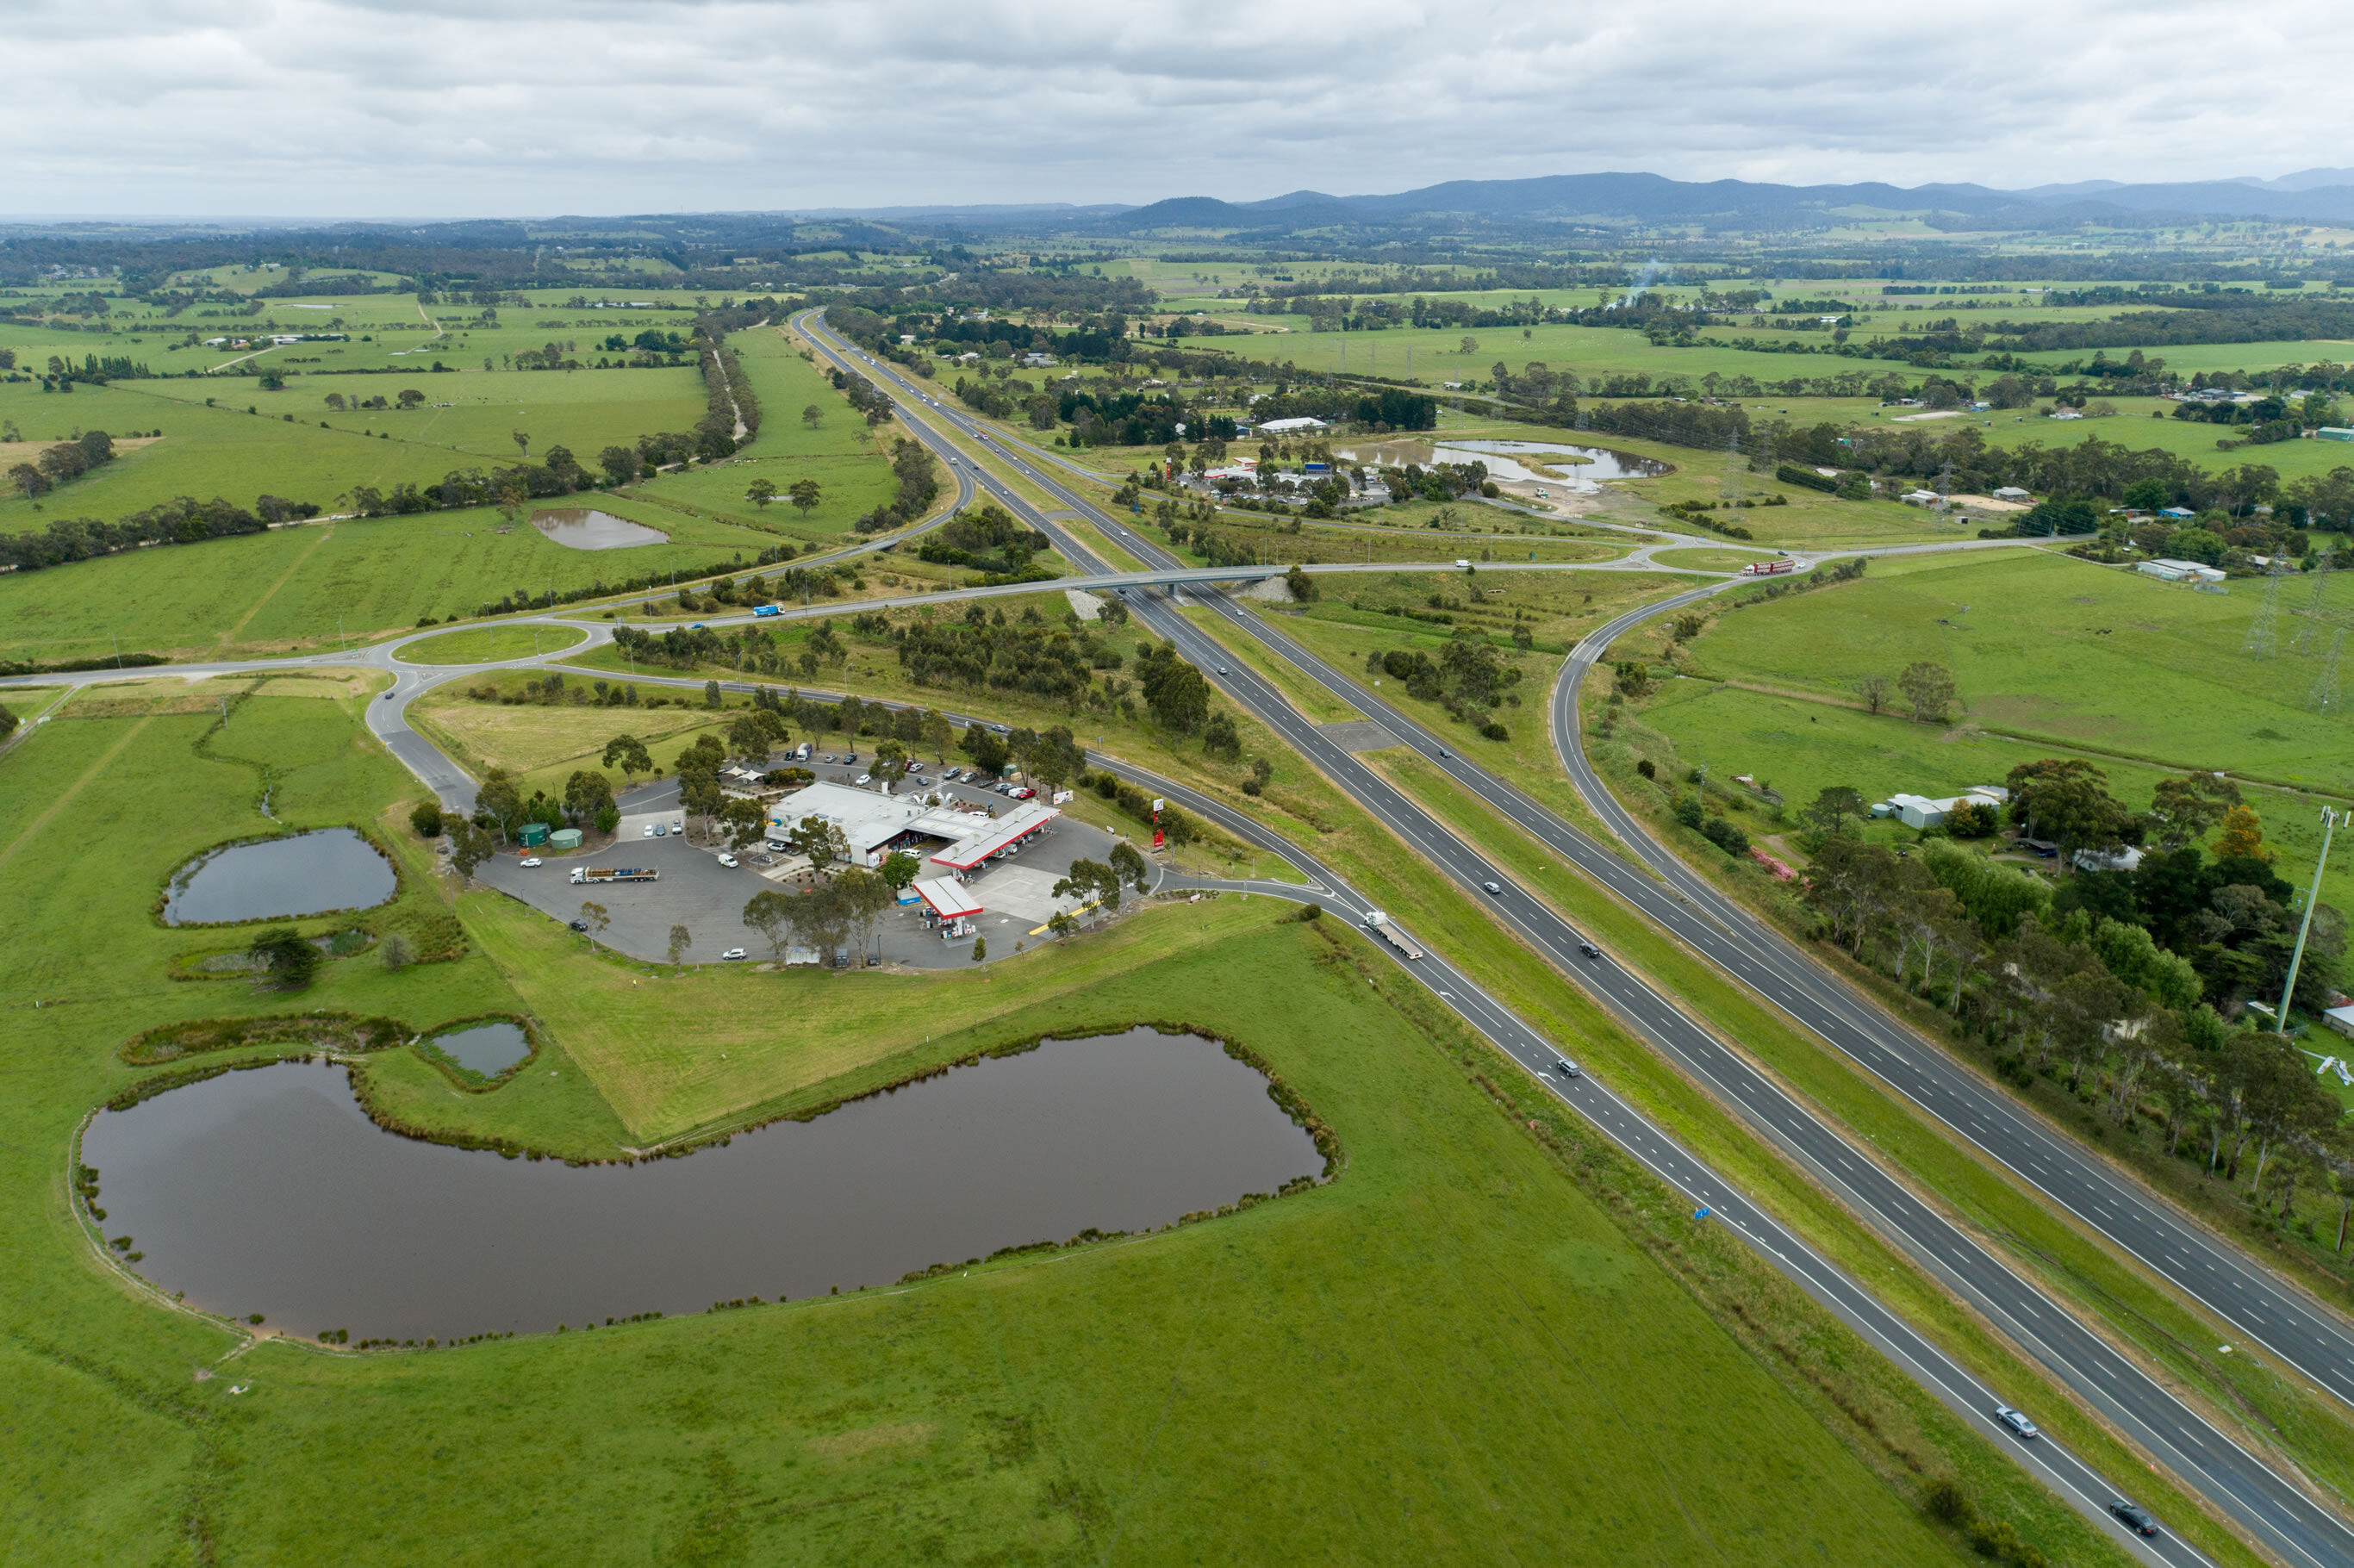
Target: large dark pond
{"points": [[269, 1192], [305, 874]]}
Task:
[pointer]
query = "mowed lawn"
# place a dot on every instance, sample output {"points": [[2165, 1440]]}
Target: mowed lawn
{"points": [[291, 589], [1452, 1353], [2044, 646]]}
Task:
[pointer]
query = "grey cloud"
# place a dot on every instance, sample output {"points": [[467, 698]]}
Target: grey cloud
{"points": [[357, 107]]}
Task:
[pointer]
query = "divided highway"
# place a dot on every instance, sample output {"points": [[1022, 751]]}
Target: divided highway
{"points": [[2238, 1483]]}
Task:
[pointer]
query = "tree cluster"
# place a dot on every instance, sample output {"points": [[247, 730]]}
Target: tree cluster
{"points": [[62, 462], [983, 651]]}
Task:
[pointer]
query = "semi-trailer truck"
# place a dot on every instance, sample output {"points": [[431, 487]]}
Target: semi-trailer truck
{"points": [[583, 874], [1379, 923]]}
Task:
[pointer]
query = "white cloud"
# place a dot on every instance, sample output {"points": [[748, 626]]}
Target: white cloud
{"points": [[432, 107]]}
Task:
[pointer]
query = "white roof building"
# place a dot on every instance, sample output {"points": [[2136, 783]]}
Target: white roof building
{"points": [[2175, 571], [874, 825], [1920, 812], [1291, 426]]}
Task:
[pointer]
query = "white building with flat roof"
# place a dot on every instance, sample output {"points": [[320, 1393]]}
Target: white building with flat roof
{"points": [[956, 836]]}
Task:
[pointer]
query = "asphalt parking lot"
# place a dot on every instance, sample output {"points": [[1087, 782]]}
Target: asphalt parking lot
{"points": [[696, 891]]}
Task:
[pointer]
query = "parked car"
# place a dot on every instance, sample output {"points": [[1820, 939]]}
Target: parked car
{"points": [[829, 757], [579, 925], [662, 831], [731, 955], [528, 861], [914, 767], [649, 831], [2021, 1426], [728, 861], [2133, 1518]]}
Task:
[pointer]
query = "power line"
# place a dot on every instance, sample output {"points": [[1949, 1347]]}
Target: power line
{"points": [[2261, 633], [2308, 630], [2323, 699]]}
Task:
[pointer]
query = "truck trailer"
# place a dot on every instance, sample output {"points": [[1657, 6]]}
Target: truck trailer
{"points": [[586, 874], [1379, 923]]}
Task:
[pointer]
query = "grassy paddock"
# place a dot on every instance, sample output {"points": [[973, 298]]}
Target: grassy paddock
{"points": [[2045, 647], [286, 590], [484, 644]]}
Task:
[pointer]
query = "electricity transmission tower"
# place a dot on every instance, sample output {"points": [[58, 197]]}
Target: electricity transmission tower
{"points": [[2261, 635], [1735, 471], [2323, 699], [2308, 631]]}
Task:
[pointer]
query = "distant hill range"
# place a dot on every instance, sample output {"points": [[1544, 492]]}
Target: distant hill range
{"points": [[2314, 195]]}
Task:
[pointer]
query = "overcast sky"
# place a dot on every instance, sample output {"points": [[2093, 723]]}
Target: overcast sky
{"points": [[375, 108]]}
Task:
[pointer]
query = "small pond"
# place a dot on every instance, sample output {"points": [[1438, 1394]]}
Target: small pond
{"points": [[489, 1049], [270, 1192], [303, 873], [584, 528]]}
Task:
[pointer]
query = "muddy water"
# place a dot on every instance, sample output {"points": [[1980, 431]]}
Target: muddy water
{"points": [[305, 874], [489, 1049], [269, 1192], [583, 528]]}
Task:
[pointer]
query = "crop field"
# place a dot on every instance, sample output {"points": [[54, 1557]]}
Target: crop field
{"points": [[1467, 1352], [284, 590]]}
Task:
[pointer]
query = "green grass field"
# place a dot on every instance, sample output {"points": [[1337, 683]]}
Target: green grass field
{"points": [[2045, 647], [286, 589], [297, 448], [484, 644], [1467, 1348]]}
